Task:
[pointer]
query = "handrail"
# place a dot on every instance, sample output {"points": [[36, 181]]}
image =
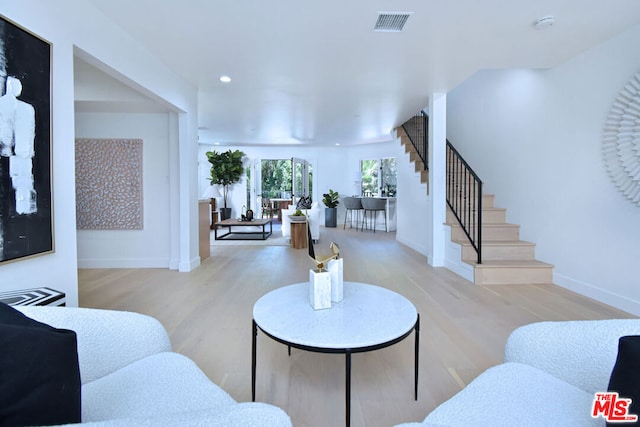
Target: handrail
{"points": [[464, 197], [416, 129], [464, 187]]}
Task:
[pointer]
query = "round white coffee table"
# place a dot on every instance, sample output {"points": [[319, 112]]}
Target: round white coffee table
{"points": [[368, 318]]}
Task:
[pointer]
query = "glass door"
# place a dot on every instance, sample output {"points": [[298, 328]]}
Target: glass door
{"points": [[301, 178]]}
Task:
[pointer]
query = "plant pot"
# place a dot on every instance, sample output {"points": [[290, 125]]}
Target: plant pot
{"points": [[330, 217], [297, 218], [225, 213]]}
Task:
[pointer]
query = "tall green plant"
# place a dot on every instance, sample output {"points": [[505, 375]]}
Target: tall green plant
{"points": [[226, 169]]}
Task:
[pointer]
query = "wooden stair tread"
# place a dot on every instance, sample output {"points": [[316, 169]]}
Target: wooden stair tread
{"points": [[512, 263], [496, 243], [486, 225]]}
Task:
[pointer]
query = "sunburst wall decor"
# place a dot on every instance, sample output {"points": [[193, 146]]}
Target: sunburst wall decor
{"points": [[621, 143]]}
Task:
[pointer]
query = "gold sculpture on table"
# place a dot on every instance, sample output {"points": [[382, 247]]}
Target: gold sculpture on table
{"points": [[322, 260]]}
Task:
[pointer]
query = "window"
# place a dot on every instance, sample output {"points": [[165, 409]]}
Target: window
{"points": [[388, 180], [379, 177], [369, 169]]}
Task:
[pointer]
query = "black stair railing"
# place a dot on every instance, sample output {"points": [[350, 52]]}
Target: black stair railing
{"points": [[464, 197], [416, 129]]}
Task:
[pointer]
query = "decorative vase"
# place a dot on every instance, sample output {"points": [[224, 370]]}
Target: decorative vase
{"points": [[330, 217], [319, 289], [334, 267], [297, 218], [225, 213]]}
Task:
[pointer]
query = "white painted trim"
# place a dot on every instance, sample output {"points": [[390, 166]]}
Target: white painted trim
{"points": [[453, 257], [184, 267], [124, 263], [619, 301], [420, 248]]}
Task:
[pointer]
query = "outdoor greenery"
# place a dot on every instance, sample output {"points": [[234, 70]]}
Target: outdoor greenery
{"points": [[371, 179], [389, 182], [276, 177]]}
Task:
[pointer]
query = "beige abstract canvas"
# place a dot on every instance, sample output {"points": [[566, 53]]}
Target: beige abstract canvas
{"points": [[109, 184]]}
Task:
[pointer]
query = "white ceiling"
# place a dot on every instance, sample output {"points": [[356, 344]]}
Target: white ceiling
{"points": [[315, 72]]}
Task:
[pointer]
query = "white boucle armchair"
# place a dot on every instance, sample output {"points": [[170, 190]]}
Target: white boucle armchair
{"points": [[549, 377], [130, 376]]}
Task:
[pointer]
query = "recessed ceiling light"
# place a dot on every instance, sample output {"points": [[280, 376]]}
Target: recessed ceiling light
{"points": [[225, 79]]}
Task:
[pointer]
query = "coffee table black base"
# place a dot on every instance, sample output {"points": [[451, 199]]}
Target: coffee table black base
{"points": [[243, 235], [347, 352]]}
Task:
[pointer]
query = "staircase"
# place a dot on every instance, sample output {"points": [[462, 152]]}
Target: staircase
{"points": [[413, 156], [505, 258]]}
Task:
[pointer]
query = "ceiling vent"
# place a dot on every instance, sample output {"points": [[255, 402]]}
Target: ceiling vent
{"points": [[391, 21]]}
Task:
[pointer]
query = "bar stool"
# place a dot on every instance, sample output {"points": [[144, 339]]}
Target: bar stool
{"points": [[352, 204], [373, 206]]}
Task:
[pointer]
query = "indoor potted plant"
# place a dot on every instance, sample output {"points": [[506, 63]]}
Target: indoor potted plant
{"points": [[331, 202], [297, 216], [226, 170]]}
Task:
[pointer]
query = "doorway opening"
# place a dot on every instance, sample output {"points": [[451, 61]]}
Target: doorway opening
{"points": [[277, 184]]}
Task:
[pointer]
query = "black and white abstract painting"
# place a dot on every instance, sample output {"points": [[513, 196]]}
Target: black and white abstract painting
{"points": [[26, 226]]}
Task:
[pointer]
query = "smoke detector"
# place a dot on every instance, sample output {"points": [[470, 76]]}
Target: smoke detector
{"points": [[392, 22], [544, 22]]}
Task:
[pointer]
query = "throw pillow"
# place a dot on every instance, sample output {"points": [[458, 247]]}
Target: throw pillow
{"points": [[39, 373], [625, 377], [304, 203]]}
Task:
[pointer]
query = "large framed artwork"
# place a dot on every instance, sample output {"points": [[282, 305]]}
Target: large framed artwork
{"points": [[26, 216]]}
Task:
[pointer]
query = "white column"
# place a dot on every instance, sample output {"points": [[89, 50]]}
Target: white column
{"points": [[188, 197], [437, 175]]}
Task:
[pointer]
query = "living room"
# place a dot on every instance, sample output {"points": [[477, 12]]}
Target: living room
{"points": [[535, 137], [602, 274]]}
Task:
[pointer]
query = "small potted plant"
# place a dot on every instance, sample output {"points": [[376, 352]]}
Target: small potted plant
{"points": [[298, 216], [331, 202]]}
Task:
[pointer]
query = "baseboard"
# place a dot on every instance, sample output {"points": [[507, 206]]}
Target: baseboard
{"points": [[606, 297], [453, 257], [124, 263], [420, 248], [186, 267]]}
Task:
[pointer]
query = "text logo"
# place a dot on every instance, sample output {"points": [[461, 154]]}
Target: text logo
{"points": [[613, 408]]}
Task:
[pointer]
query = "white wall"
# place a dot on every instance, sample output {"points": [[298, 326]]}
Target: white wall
{"points": [[149, 247], [414, 205], [535, 139], [66, 24]]}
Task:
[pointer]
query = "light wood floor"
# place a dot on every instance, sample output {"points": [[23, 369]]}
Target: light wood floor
{"points": [[208, 315]]}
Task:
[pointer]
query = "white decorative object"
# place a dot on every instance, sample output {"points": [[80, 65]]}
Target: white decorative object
{"points": [[621, 142], [319, 289], [335, 270]]}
